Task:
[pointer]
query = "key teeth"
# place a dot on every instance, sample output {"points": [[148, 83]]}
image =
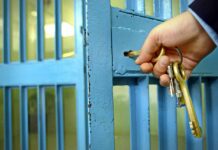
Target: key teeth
{"points": [[190, 123], [191, 126], [194, 130]]}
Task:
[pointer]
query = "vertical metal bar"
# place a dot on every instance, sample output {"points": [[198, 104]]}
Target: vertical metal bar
{"points": [[7, 119], [59, 117], [24, 118], [100, 96], [158, 9], [22, 27], [133, 128], [81, 97], [6, 31], [7, 91], [41, 117], [211, 103], [81, 110], [167, 120], [136, 5], [163, 9], [194, 85], [183, 5], [140, 115], [40, 30], [58, 38]]}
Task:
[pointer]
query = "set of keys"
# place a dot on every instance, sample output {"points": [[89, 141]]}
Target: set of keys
{"points": [[174, 86], [178, 87]]}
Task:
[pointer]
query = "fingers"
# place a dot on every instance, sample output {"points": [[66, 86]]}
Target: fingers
{"points": [[146, 67], [188, 73], [159, 70], [164, 80], [149, 48], [160, 67]]}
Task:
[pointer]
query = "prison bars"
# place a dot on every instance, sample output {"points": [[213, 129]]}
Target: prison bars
{"points": [[25, 82]]}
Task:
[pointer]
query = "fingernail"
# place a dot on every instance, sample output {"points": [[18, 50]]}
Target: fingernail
{"points": [[137, 60], [163, 64]]}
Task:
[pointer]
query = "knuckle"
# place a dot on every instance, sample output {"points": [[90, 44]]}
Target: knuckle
{"points": [[160, 69], [157, 74], [144, 69]]}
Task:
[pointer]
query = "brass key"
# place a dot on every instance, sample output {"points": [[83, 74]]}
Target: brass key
{"points": [[171, 76], [181, 78], [178, 87]]}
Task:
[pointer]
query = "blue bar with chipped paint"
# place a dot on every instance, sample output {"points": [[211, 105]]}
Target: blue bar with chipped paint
{"points": [[167, 120], [194, 85], [24, 139], [41, 106], [140, 115], [99, 94], [211, 103], [137, 6], [81, 99], [59, 117]]}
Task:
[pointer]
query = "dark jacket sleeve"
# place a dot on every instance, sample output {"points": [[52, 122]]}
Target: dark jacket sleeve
{"points": [[208, 11]]}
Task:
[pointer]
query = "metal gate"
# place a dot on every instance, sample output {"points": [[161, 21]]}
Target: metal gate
{"points": [[42, 74], [102, 33], [129, 29]]}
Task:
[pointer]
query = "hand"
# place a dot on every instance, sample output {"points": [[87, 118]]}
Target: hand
{"points": [[183, 32]]}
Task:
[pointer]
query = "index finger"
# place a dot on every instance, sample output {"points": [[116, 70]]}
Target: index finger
{"points": [[150, 47]]}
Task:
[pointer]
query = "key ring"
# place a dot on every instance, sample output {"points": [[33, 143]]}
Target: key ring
{"points": [[180, 55], [162, 52], [178, 68]]}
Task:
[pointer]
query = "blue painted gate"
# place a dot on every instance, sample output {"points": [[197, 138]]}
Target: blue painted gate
{"points": [[41, 73], [102, 34]]}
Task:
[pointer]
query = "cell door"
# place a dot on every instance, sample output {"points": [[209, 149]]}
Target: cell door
{"points": [[42, 75], [146, 117], [155, 122]]}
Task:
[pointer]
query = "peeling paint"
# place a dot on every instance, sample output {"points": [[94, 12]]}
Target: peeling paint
{"points": [[133, 13], [129, 29]]}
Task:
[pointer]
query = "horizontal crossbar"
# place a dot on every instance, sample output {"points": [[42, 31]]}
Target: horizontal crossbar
{"points": [[47, 72]]}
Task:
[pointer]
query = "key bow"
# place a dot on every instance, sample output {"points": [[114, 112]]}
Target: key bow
{"points": [[179, 72]]}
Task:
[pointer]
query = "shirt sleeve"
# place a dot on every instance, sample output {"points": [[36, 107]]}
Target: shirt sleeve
{"points": [[210, 31], [207, 10]]}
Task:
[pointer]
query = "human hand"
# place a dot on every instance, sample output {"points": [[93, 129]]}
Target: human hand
{"points": [[183, 32]]}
